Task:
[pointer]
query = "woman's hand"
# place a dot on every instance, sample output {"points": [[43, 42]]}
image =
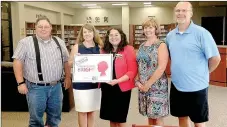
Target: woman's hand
{"points": [[139, 85], [113, 82], [146, 87]]}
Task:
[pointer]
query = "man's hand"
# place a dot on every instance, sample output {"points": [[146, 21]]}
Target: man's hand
{"points": [[22, 89], [67, 83], [113, 82]]}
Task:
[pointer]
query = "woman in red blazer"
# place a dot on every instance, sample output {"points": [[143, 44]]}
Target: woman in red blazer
{"points": [[116, 94]]}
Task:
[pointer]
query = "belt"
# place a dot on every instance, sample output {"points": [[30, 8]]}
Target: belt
{"points": [[45, 84]]}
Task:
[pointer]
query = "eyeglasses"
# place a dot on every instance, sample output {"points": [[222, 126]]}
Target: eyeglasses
{"points": [[43, 27], [183, 11]]}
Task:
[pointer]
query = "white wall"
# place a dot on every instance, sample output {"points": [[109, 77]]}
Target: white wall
{"points": [[52, 6], [31, 13], [18, 22], [165, 15], [68, 19], [26, 11], [114, 16], [125, 21]]}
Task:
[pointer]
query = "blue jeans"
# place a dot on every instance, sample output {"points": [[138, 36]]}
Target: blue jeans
{"points": [[41, 99]]}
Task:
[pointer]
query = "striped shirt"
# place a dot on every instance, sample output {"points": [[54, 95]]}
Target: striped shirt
{"points": [[50, 55]]}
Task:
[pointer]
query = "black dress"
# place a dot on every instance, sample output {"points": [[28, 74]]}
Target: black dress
{"points": [[114, 102]]}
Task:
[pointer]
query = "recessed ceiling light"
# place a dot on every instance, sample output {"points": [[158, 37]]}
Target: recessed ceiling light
{"points": [[88, 5], [122, 4], [147, 3]]}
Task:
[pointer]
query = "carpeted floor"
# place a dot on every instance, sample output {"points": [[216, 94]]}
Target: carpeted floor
{"points": [[217, 102]]}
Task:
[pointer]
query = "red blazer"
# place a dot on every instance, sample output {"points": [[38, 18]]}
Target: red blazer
{"points": [[126, 64]]}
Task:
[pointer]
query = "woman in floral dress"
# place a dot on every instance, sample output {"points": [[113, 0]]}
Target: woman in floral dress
{"points": [[152, 82]]}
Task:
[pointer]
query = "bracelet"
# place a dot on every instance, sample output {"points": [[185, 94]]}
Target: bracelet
{"points": [[21, 83]]}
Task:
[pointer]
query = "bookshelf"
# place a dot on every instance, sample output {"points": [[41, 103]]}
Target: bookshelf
{"points": [[137, 37], [101, 29], [70, 35], [164, 30], [56, 30], [30, 29]]}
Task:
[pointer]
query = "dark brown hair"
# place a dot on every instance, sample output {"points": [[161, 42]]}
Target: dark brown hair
{"points": [[108, 47]]}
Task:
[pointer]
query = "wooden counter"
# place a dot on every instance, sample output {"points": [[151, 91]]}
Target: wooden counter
{"points": [[218, 77]]}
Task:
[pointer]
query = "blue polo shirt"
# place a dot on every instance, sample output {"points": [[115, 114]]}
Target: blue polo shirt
{"points": [[190, 52]]}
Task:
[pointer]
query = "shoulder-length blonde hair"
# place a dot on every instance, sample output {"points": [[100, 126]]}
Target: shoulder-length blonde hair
{"points": [[153, 23], [96, 38]]}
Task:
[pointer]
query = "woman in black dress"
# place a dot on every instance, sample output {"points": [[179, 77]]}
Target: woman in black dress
{"points": [[116, 94]]}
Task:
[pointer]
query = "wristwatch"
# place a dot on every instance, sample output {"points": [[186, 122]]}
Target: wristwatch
{"points": [[21, 83]]}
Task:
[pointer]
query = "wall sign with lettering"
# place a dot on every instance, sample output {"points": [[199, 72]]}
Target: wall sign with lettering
{"points": [[40, 16], [97, 19]]}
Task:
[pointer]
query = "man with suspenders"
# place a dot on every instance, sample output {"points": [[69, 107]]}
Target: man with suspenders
{"points": [[38, 67]]}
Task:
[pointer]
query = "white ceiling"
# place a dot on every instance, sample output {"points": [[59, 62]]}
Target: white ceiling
{"points": [[140, 4]]}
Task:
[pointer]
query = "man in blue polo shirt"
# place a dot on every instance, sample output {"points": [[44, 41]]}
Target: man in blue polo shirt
{"points": [[194, 55]]}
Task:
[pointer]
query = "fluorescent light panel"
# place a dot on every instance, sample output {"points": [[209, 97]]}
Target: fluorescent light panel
{"points": [[120, 4], [147, 3], [89, 5], [94, 7]]}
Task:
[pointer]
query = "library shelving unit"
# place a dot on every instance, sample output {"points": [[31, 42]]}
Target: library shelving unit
{"points": [[56, 30], [30, 29], [70, 34], [137, 37]]}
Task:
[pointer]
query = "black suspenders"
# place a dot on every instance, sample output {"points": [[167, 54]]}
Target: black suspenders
{"points": [[38, 60]]}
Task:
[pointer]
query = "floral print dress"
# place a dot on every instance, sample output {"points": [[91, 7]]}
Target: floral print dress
{"points": [[155, 102]]}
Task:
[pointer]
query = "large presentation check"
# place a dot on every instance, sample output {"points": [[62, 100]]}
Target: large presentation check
{"points": [[93, 68]]}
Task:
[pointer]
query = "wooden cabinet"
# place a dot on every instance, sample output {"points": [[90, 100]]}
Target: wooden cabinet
{"points": [[219, 76]]}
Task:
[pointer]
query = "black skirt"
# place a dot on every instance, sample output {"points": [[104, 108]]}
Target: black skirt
{"points": [[114, 103]]}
